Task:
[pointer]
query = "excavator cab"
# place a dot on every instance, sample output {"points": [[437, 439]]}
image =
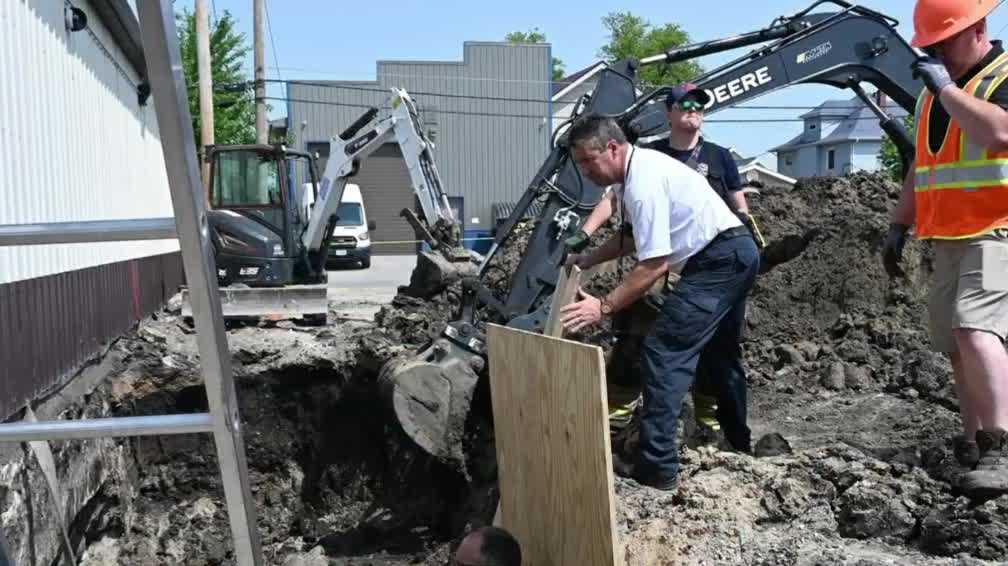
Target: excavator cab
{"points": [[256, 219]]}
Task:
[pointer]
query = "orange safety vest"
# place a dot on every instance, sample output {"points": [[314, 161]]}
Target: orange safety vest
{"points": [[961, 191]]}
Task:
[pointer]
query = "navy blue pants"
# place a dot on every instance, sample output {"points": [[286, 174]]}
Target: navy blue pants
{"points": [[700, 325]]}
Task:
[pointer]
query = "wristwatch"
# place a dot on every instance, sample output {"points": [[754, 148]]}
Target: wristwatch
{"points": [[606, 306]]}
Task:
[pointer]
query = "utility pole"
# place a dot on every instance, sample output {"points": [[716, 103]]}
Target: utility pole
{"points": [[205, 87], [259, 47]]}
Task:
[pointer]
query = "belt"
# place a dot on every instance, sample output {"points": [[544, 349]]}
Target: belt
{"points": [[731, 233]]}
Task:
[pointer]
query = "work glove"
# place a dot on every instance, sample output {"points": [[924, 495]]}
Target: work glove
{"points": [[933, 72], [578, 241], [892, 249], [750, 223]]}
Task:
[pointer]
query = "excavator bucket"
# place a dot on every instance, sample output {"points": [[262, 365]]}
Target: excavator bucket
{"points": [[292, 301], [430, 395]]}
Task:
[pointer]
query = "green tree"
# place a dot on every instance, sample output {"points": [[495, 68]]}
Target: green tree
{"points": [[631, 36], [536, 36], [234, 103], [889, 156]]}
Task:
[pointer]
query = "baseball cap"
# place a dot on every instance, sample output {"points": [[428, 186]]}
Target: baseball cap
{"points": [[680, 92]]}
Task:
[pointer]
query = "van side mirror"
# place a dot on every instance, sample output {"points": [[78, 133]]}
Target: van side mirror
{"points": [[371, 225]]}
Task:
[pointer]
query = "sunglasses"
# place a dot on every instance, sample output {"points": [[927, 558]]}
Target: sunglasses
{"points": [[688, 105]]}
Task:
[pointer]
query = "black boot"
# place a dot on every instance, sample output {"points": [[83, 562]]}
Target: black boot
{"points": [[990, 478], [966, 451]]}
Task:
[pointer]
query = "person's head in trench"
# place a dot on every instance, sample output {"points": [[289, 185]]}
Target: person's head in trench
{"points": [[488, 546], [684, 107], [599, 147]]}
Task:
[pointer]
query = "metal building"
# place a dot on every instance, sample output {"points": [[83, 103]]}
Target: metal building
{"points": [[79, 142], [489, 116]]}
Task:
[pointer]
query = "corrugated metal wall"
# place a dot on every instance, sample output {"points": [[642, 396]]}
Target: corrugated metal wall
{"points": [[50, 326], [491, 130], [75, 142]]}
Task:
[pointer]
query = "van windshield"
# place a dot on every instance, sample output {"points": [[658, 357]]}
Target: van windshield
{"points": [[349, 214]]}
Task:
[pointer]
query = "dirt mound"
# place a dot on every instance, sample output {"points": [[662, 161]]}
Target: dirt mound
{"points": [[832, 318]]}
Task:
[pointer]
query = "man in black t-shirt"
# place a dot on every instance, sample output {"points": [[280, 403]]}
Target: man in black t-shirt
{"points": [[685, 106]]}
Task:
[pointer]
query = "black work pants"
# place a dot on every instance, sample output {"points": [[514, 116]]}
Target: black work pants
{"points": [[700, 324]]}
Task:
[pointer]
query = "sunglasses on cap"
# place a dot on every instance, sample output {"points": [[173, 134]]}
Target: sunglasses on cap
{"points": [[688, 105]]}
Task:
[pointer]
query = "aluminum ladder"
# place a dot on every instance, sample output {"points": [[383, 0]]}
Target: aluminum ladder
{"points": [[164, 69]]}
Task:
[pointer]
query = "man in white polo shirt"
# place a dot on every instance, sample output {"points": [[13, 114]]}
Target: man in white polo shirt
{"points": [[679, 224]]}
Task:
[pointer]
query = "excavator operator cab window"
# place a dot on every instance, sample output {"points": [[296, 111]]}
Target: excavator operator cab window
{"points": [[249, 181], [246, 178]]}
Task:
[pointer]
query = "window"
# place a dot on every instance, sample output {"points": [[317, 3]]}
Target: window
{"points": [[246, 178], [249, 181], [831, 160], [349, 214], [789, 159]]}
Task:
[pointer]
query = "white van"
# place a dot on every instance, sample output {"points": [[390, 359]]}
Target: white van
{"points": [[351, 238]]}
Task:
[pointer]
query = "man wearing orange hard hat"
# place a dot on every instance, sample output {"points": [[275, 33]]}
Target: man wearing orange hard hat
{"points": [[956, 194]]}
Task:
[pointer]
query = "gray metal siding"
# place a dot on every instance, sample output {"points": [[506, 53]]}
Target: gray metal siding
{"points": [[483, 154], [385, 187]]}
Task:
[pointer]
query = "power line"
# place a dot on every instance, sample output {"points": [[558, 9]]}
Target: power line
{"points": [[530, 100], [1004, 26], [455, 112], [413, 76], [542, 117], [421, 93], [269, 28]]}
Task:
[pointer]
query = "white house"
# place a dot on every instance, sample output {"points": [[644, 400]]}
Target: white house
{"points": [[838, 137]]}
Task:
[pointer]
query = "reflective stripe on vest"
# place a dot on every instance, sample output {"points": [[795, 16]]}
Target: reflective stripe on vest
{"points": [[962, 189]]}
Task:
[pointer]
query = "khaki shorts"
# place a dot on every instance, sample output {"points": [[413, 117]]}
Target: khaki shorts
{"points": [[970, 288]]}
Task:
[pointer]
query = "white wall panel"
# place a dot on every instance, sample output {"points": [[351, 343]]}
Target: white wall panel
{"points": [[74, 142]]}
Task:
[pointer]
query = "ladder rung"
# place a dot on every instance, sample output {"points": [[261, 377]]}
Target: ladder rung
{"points": [[89, 231], [112, 426]]}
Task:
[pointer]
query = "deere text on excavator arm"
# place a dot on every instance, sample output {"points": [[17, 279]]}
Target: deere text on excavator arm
{"points": [[431, 392]]}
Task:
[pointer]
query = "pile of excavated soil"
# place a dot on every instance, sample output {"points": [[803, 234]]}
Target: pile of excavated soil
{"points": [[854, 415]]}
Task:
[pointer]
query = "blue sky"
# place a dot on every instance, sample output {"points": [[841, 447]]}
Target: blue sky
{"points": [[330, 39]]}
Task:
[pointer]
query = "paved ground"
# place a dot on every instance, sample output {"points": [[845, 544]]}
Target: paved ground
{"points": [[358, 293]]}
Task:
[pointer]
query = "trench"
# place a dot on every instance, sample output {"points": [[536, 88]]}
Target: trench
{"points": [[326, 470]]}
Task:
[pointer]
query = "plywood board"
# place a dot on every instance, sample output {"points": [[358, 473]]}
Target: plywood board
{"points": [[564, 294], [553, 453]]}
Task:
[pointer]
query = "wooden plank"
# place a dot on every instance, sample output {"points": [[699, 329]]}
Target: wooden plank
{"points": [[553, 453], [566, 290]]}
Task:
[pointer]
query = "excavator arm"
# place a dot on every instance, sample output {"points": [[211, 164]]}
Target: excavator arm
{"points": [[446, 261], [430, 393], [350, 148], [842, 49]]}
